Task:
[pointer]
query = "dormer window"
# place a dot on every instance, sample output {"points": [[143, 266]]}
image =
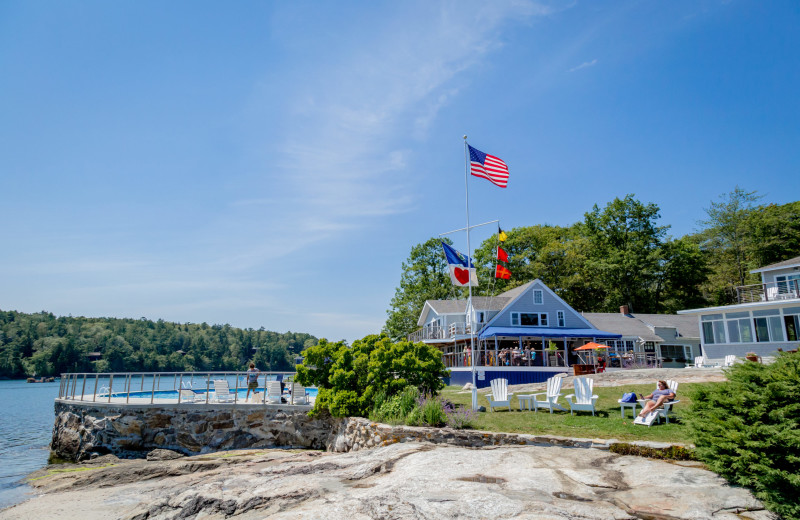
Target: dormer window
{"points": [[538, 297]]}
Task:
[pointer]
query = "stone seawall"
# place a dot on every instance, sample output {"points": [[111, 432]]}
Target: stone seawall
{"points": [[130, 431]]}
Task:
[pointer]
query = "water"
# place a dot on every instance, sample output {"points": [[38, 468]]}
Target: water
{"points": [[26, 426]]}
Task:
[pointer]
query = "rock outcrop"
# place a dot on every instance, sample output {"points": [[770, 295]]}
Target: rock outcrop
{"points": [[404, 480]]}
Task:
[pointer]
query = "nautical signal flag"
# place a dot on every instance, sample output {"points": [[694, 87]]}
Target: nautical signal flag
{"points": [[502, 272], [501, 235], [489, 167], [462, 270], [502, 256]]}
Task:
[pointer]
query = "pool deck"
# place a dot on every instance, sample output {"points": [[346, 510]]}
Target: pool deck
{"points": [[104, 401]]}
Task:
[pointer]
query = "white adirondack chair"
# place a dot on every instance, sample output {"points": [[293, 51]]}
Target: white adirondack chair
{"points": [[584, 400], [730, 359], [662, 411], [299, 395], [500, 395], [222, 393], [699, 361], [551, 396], [274, 392]]}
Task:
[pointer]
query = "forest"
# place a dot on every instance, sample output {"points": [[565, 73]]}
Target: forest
{"points": [[42, 344], [619, 254]]}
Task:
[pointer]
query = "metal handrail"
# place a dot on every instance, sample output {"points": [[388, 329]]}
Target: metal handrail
{"points": [[173, 381]]}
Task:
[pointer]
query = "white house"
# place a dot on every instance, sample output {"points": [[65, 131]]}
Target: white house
{"points": [[765, 320]]}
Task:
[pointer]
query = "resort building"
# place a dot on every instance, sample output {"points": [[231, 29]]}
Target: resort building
{"points": [[665, 340], [528, 334], [765, 320]]}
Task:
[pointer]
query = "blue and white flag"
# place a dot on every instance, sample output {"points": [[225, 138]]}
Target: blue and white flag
{"points": [[462, 270]]}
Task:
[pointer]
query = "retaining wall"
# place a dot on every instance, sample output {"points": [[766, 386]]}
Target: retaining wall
{"points": [[83, 429]]}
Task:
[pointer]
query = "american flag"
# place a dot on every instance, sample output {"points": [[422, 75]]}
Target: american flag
{"points": [[491, 168]]}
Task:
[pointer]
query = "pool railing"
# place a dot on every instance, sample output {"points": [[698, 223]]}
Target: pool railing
{"points": [[100, 387]]}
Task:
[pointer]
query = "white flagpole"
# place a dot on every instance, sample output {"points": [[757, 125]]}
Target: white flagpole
{"points": [[469, 270]]}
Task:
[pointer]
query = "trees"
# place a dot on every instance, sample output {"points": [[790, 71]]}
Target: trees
{"points": [[349, 378], [725, 236], [624, 253], [48, 345], [425, 276]]}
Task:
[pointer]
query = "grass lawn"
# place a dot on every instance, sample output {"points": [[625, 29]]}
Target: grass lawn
{"points": [[606, 424]]}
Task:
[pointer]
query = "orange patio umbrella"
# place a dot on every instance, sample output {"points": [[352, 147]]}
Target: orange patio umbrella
{"points": [[592, 346]]}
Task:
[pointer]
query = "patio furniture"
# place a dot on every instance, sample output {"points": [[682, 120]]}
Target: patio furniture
{"points": [[584, 400], [551, 395], [500, 395], [222, 392], [730, 359]]}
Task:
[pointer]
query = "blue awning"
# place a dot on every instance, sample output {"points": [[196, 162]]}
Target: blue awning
{"points": [[545, 332]]}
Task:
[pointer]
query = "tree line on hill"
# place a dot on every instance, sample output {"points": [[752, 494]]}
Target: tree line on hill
{"points": [[42, 344], [618, 255]]}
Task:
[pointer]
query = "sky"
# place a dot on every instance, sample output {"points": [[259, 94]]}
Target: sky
{"points": [[271, 164]]}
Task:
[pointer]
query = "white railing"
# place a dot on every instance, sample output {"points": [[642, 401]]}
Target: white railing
{"points": [[772, 291], [436, 332], [122, 386]]}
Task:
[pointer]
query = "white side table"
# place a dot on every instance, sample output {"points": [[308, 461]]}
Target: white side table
{"points": [[622, 407]]}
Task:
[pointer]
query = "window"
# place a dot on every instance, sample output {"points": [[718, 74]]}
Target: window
{"points": [[713, 329], [740, 328], [479, 317], [788, 283], [768, 326], [538, 297], [792, 327], [529, 319], [675, 352], [562, 322]]}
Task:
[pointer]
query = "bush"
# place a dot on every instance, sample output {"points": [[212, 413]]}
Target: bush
{"points": [[748, 430], [671, 453], [429, 412], [352, 379], [395, 409]]}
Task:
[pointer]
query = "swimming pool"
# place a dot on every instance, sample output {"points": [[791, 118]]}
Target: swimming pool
{"points": [[173, 394]]}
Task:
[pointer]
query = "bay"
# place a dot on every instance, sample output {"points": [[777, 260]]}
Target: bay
{"points": [[26, 426]]}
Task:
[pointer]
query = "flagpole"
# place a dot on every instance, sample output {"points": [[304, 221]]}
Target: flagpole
{"points": [[469, 270]]}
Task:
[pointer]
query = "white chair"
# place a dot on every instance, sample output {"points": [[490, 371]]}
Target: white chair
{"points": [[584, 400], [698, 362], [222, 392], [190, 396], [664, 410], [274, 392], [730, 359], [551, 396], [299, 395], [500, 395]]}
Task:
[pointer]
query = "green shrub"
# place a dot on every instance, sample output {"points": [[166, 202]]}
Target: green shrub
{"points": [[429, 412], [671, 453], [351, 379], [395, 409], [748, 430]]}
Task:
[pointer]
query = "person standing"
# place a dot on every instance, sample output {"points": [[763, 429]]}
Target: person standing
{"points": [[252, 380]]}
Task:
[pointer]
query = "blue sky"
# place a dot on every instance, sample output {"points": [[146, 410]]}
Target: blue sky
{"points": [[272, 163]]}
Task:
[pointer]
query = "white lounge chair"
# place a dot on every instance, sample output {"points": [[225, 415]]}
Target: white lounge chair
{"points": [[222, 392], [299, 395], [730, 359], [191, 396], [274, 392], [662, 411], [551, 396], [584, 400], [499, 395]]}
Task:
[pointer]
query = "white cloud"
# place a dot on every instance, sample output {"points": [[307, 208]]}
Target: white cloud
{"points": [[584, 65]]}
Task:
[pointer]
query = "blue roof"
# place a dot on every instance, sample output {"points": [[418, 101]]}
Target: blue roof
{"points": [[545, 332]]}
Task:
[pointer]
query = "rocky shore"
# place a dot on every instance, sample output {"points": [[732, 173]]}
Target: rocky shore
{"points": [[406, 478]]}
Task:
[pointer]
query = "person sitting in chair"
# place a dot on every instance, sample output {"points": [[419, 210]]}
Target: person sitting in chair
{"points": [[657, 398]]}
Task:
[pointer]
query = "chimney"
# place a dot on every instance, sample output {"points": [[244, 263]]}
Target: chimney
{"points": [[623, 309]]}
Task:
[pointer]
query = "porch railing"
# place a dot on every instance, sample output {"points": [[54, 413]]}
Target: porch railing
{"points": [[771, 291], [437, 332], [119, 387]]}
